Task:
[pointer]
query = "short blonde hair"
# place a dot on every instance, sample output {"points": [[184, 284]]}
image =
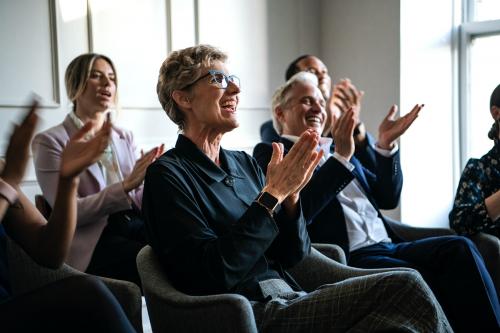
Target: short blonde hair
{"points": [[78, 72], [281, 96], [179, 71]]}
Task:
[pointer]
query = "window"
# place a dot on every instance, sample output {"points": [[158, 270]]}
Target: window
{"points": [[479, 74], [484, 10]]}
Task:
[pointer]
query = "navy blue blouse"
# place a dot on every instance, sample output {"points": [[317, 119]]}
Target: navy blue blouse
{"points": [[480, 179], [203, 222]]}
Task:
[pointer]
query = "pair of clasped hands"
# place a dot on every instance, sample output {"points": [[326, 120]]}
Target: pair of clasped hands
{"points": [[287, 176]]}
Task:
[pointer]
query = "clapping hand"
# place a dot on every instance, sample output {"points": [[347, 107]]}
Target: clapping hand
{"points": [[342, 134], [80, 152], [288, 175], [17, 155], [392, 128], [137, 175], [345, 96]]}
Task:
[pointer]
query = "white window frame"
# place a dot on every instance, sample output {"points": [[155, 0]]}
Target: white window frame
{"points": [[469, 30]]}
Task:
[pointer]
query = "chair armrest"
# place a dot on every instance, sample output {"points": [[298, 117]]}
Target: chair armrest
{"points": [[173, 311], [26, 275], [332, 251], [409, 233], [489, 247], [316, 270], [129, 296]]}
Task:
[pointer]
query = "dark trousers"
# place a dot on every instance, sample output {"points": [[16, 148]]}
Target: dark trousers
{"points": [[75, 304], [116, 251], [455, 271]]}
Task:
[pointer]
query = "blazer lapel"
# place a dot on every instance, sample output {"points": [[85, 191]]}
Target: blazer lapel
{"points": [[360, 174], [94, 169], [121, 148]]}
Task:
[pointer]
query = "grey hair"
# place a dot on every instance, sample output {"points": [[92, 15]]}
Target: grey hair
{"points": [[179, 71], [281, 98]]}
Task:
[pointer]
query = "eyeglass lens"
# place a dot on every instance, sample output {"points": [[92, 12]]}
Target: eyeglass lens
{"points": [[223, 81]]}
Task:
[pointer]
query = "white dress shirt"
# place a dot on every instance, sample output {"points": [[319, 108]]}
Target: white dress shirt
{"points": [[364, 227]]}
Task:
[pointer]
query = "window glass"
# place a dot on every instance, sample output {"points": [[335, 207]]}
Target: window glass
{"points": [[485, 10], [484, 77]]}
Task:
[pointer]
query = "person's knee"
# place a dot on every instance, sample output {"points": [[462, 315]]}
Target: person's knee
{"points": [[410, 280], [460, 245], [90, 289]]}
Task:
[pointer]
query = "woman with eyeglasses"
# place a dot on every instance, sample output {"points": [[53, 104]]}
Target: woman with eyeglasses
{"points": [[110, 230], [218, 225]]}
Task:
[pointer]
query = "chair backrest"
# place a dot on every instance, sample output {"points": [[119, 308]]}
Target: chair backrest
{"points": [[489, 247], [170, 310], [43, 206]]}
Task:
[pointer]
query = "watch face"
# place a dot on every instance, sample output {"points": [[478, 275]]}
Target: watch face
{"points": [[269, 201]]}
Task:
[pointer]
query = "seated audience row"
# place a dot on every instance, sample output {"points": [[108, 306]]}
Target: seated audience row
{"points": [[223, 222]]}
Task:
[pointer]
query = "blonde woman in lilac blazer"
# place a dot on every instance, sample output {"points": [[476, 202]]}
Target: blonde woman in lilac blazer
{"points": [[110, 229]]}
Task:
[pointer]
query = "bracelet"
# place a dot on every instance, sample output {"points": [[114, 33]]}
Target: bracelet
{"points": [[8, 192]]}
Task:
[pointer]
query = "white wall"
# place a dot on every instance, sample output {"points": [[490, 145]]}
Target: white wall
{"points": [[401, 52], [40, 37], [360, 40], [430, 147]]}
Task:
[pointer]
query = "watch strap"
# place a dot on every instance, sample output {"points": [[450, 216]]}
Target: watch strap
{"points": [[268, 201]]}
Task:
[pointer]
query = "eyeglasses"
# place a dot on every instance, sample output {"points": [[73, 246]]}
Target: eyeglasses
{"points": [[218, 79]]}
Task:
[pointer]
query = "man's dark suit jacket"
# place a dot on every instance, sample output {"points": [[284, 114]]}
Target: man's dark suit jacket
{"points": [[323, 211], [206, 228]]}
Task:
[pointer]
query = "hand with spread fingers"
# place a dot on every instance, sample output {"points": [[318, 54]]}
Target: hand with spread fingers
{"points": [[137, 175], [392, 127]]}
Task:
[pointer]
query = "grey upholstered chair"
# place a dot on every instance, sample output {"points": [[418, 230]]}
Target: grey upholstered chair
{"points": [[27, 275], [173, 311]]}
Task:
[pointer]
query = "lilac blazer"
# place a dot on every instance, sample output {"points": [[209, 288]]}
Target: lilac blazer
{"points": [[95, 200]]}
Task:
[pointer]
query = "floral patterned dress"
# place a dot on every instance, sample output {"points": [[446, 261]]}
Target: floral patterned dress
{"points": [[480, 179]]}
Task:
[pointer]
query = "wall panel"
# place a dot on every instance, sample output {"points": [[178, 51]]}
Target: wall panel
{"points": [[28, 61]]}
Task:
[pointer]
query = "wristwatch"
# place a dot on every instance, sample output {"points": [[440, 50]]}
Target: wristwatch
{"points": [[8, 192], [268, 201]]}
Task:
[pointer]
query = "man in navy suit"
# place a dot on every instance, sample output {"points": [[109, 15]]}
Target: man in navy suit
{"points": [[350, 217]]}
